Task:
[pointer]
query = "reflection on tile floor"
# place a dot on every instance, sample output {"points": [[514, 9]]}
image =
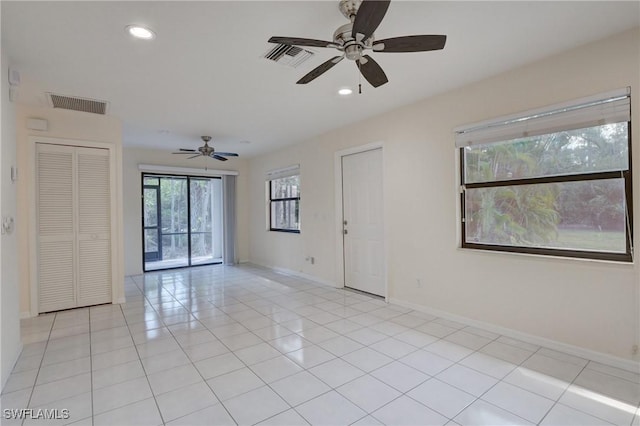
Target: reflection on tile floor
{"points": [[243, 345]]}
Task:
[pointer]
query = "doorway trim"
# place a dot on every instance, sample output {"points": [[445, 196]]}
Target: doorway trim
{"points": [[337, 167], [116, 235]]}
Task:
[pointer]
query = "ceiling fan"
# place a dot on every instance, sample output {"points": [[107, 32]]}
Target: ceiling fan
{"points": [[354, 38], [206, 151]]}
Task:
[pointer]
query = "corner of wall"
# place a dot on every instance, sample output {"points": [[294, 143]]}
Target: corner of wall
{"points": [[10, 344]]}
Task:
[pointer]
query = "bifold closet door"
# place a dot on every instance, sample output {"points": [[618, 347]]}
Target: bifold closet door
{"points": [[94, 226], [74, 227], [56, 227]]}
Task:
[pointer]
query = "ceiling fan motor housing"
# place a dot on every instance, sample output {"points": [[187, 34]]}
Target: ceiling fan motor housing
{"points": [[206, 150], [351, 47]]}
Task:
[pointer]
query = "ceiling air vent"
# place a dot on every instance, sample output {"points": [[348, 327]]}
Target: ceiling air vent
{"points": [[78, 104], [291, 56]]}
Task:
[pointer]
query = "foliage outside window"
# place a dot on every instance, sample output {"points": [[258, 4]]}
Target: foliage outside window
{"points": [[284, 204], [564, 193]]}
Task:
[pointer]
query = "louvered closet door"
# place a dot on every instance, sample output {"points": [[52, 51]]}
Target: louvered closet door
{"points": [[94, 226], [56, 227]]}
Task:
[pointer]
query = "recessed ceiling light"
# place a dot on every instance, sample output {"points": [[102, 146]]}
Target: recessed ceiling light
{"points": [[138, 31], [345, 92]]}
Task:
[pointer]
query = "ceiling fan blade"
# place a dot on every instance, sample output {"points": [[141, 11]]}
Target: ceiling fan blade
{"points": [[186, 150], [369, 16], [318, 71], [217, 157], [227, 154], [413, 43], [372, 72], [297, 41], [194, 156]]}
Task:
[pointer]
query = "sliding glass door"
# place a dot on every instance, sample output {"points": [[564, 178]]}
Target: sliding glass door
{"points": [[182, 223], [206, 220]]}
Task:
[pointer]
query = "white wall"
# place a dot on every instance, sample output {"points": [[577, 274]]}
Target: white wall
{"points": [[63, 124], [133, 201], [589, 304], [10, 345]]}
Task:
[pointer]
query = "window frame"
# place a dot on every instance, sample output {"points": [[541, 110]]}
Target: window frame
{"points": [[627, 175], [282, 200]]}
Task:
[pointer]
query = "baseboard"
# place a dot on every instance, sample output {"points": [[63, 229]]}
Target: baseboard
{"points": [[297, 274], [120, 301], [25, 315], [612, 360]]}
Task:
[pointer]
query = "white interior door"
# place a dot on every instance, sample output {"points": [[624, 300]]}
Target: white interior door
{"points": [[363, 229]]}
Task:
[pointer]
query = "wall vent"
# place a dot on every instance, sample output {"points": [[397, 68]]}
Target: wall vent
{"points": [[74, 103], [291, 56]]}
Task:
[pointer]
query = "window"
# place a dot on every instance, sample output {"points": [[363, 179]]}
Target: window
{"points": [[284, 200], [554, 182]]}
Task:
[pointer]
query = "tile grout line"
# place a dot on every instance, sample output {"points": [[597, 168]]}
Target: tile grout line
{"points": [[565, 391], [33, 389], [91, 367], [199, 373], [250, 369], [143, 369], [431, 377]]}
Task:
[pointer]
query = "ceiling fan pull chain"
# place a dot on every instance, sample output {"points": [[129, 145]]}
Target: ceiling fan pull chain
{"points": [[359, 79]]}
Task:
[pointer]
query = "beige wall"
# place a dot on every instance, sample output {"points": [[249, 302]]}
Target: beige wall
{"points": [[63, 124], [589, 304], [10, 345], [133, 202]]}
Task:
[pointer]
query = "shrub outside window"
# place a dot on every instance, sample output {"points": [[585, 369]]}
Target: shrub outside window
{"points": [[284, 204], [563, 192]]}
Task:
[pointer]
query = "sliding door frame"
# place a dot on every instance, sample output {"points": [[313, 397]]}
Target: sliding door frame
{"points": [[188, 178]]}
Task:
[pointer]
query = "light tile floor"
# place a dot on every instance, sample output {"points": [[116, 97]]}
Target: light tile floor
{"points": [[223, 345]]}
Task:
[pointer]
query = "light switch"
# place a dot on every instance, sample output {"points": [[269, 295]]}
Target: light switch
{"points": [[7, 225]]}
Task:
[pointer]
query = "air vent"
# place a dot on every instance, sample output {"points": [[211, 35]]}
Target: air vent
{"points": [[290, 56], [78, 104]]}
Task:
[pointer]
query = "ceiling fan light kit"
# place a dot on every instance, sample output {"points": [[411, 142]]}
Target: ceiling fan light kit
{"points": [[206, 151], [356, 37]]}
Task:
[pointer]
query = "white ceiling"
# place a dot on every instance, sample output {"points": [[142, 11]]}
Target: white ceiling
{"points": [[204, 74]]}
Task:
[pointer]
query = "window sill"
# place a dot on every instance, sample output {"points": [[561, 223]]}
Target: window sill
{"points": [[286, 231], [544, 256]]}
